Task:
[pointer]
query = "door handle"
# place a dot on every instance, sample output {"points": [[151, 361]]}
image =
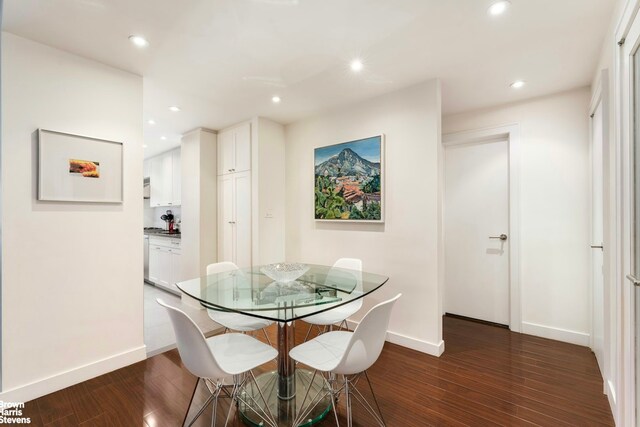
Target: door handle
{"points": [[502, 237], [633, 280]]}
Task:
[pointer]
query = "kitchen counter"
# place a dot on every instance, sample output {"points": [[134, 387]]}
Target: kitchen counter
{"points": [[162, 234]]}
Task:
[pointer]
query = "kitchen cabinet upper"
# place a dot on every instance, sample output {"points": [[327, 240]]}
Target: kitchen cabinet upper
{"points": [[165, 179], [234, 149]]}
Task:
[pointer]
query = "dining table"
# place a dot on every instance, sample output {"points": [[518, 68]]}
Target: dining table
{"points": [[271, 292]]}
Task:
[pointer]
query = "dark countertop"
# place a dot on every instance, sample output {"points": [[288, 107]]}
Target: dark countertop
{"points": [[160, 233]]}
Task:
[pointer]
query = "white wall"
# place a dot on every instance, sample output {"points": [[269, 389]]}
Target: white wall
{"points": [[72, 272], [269, 195], [199, 197], [405, 247], [554, 209]]}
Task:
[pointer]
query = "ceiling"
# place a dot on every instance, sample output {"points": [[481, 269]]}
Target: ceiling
{"points": [[221, 61]]}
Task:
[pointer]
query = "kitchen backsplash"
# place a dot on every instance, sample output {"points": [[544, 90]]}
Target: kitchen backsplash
{"points": [[152, 215]]}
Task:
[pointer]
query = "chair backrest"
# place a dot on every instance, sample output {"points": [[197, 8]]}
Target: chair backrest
{"points": [[349, 264], [192, 345], [221, 267], [354, 264], [367, 340]]}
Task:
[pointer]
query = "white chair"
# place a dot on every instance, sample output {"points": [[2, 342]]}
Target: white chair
{"points": [[339, 314], [230, 320], [223, 362], [349, 354]]}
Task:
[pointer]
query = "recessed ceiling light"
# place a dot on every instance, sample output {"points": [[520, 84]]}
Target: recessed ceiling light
{"points": [[276, 99], [357, 65], [164, 138], [144, 145], [174, 108], [138, 41], [517, 84], [151, 122], [499, 7]]}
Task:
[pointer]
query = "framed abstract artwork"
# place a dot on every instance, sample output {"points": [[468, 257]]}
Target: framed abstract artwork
{"points": [[349, 181], [74, 168]]}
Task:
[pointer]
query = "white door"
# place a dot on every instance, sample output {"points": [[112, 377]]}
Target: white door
{"points": [[242, 194], [225, 218], [597, 237], [476, 206]]}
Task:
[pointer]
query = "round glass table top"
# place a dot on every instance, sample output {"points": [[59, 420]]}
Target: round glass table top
{"points": [[252, 292]]}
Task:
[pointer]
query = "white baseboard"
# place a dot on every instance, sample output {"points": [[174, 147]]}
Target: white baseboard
{"points": [[409, 342], [559, 334], [611, 396], [77, 375]]}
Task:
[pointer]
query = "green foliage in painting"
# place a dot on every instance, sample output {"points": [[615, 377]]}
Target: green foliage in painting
{"points": [[373, 185], [330, 203]]}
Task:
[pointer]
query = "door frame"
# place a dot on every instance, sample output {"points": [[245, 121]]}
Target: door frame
{"points": [[601, 97], [511, 133], [628, 39]]}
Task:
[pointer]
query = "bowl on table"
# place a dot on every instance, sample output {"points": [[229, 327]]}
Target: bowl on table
{"points": [[284, 272]]}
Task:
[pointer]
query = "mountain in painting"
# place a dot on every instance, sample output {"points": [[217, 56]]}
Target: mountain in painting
{"points": [[347, 163]]}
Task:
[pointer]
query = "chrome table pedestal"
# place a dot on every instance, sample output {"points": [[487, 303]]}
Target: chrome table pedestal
{"points": [[285, 389]]}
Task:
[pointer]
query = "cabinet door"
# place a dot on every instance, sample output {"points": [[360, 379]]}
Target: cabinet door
{"points": [[225, 218], [167, 182], [176, 178], [155, 264], [226, 153], [242, 214], [242, 148], [146, 168], [156, 181], [164, 258], [176, 268]]}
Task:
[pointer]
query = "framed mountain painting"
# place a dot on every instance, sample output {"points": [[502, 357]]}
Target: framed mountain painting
{"points": [[349, 181]]}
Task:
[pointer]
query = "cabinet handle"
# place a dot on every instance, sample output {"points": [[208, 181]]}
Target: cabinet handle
{"points": [[232, 222]]}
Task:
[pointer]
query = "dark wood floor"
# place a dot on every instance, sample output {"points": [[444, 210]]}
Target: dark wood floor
{"points": [[487, 376]]}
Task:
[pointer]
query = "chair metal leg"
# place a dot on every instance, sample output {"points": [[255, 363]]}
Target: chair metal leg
{"points": [[308, 332], [214, 412], [234, 393], [186, 414], [347, 394], [352, 391], [267, 336], [213, 397], [375, 400]]}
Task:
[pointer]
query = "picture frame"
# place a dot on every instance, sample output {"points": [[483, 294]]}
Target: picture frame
{"points": [[77, 168], [349, 181]]}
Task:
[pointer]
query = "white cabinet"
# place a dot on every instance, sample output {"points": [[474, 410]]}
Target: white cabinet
{"points": [[234, 218], [165, 257], [176, 178], [146, 168], [165, 179], [156, 181], [234, 149]]}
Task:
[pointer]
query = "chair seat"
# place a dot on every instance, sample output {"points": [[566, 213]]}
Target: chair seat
{"points": [[238, 322], [335, 315], [238, 353], [323, 352]]}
